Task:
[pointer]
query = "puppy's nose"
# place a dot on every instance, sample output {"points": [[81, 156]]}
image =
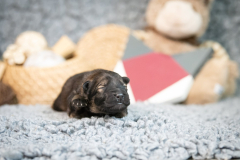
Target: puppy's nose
{"points": [[119, 96]]}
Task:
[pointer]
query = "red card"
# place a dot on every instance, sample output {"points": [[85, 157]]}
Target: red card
{"points": [[151, 73]]}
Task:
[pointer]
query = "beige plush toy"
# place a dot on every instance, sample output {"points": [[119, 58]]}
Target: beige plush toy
{"points": [[14, 54], [26, 44], [173, 27], [31, 42]]}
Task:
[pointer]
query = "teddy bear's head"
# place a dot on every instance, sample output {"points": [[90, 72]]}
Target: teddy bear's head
{"points": [[179, 19]]}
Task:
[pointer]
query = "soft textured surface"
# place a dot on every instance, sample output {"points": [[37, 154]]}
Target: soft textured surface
{"points": [[148, 132]]}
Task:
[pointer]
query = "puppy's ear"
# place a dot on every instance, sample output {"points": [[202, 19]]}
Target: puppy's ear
{"points": [[86, 87], [126, 80]]}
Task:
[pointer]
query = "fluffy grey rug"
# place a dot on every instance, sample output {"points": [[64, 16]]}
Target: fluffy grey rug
{"points": [[148, 132]]}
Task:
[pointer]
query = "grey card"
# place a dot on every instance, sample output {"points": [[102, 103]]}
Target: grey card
{"points": [[192, 62], [135, 48]]}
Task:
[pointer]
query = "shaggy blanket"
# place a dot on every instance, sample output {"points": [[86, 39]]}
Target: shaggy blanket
{"points": [[150, 131]]}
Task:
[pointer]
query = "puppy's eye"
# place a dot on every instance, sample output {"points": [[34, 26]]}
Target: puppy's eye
{"points": [[100, 88]]}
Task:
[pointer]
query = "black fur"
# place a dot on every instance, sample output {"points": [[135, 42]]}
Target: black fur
{"points": [[94, 93]]}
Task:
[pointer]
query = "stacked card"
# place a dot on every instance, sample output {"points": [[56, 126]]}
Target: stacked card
{"points": [[156, 77]]}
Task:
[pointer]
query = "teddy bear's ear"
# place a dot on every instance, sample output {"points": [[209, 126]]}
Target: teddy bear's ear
{"points": [[86, 87]]}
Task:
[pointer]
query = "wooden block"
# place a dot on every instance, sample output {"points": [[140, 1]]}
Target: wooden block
{"points": [[2, 69], [64, 47]]}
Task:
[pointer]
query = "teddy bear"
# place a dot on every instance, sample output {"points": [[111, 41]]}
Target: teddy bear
{"points": [[168, 31], [173, 28], [174, 25]]}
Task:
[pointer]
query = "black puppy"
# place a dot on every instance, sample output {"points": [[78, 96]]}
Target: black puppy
{"points": [[94, 93]]}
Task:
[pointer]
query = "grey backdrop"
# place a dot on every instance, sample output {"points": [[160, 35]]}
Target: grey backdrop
{"points": [[53, 18]]}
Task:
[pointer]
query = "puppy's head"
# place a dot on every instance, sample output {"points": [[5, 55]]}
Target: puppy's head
{"points": [[106, 92]]}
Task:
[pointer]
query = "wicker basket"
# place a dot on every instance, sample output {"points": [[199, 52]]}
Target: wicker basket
{"points": [[99, 48], [41, 85]]}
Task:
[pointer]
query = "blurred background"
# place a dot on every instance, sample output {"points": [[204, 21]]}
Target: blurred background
{"points": [[55, 18]]}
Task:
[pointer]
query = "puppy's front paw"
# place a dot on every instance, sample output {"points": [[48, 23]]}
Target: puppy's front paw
{"points": [[77, 103]]}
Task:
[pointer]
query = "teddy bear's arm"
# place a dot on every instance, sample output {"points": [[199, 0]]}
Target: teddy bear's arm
{"points": [[231, 84]]}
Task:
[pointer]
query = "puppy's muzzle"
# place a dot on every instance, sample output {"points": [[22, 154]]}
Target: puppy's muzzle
{"points": [[119, 97]]}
